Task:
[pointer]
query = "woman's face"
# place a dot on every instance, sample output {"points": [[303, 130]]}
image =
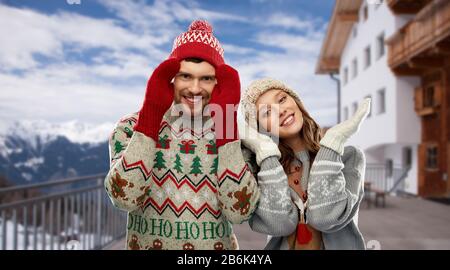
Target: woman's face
{"points": [[279, 114]]}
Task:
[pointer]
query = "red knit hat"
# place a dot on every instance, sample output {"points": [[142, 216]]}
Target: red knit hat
{"points": [[198, 42]]}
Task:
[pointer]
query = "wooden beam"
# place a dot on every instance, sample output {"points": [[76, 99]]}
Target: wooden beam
{"points": [[332, 61], [407, 71], [442, 48], [349, 16], [328, 65], [426, 62], [407, 6], [405, 10]]}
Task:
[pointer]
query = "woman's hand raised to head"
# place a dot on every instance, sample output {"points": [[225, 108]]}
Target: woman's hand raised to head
{"points": [[262, 145]]}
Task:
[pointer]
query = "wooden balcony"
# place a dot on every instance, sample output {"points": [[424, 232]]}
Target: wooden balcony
{"points": [[421, 43], [407, 6]]}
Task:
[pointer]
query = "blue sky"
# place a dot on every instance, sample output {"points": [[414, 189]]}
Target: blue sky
{"points": [[90, 61]]}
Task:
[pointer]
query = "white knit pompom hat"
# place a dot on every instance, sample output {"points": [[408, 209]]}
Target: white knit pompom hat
{"points": [[255, 90]]}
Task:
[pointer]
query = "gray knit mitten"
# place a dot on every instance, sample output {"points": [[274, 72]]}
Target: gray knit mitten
{"points": [[336, 136]]}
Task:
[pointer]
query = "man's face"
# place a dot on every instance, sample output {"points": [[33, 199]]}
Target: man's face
{"points": [[193, 86]]}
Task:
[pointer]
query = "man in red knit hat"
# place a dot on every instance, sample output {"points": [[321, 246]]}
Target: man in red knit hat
{"points": [[183, 186]]}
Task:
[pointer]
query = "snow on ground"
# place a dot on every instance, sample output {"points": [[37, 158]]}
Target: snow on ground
{"points": [[75, 239]]}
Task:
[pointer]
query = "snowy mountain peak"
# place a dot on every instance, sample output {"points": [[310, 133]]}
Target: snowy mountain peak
{"points": [[33, 151], [75, 131]]}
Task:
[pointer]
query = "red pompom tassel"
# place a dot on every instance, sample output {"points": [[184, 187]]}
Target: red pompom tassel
{"points": [[304, 236], [200, 25]]}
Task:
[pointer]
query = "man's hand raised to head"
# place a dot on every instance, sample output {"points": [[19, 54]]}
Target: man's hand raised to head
{"points": [[158, 98], [226, 91]]}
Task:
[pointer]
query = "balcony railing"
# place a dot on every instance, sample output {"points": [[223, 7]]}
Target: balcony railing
{"points": [[430, 26], [84, 218], [386, 179], [60, 218]]}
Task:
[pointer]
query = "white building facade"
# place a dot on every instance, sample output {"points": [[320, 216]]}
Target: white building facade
{"points": [[391, 133]]}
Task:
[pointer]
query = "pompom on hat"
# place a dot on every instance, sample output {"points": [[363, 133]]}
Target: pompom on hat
{"points": [[255, 90], [198, 42]]}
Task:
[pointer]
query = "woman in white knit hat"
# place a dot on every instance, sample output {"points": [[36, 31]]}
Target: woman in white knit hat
{"points": [[311, 186]]}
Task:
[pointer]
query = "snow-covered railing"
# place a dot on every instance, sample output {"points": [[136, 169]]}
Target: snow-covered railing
{"points": [[64, 218]]}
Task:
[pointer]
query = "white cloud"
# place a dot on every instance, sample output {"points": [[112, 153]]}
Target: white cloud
{"points": [[317, 93], [308, 44], [216, 16], [293, 62], [31, 35], [162, 16], [143, 18], [40, 97], [63, 89], [36, 33], [112, 83], [234, 49], [289, 22]]}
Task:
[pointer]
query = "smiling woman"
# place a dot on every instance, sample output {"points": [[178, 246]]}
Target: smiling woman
{"points": [[289, 124], [311, 187]]}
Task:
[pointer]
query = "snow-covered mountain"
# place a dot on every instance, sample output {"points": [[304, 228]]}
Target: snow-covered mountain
{"points": [[36, 151]]}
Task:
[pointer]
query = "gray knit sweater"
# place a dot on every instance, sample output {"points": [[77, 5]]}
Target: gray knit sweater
{"points": [[335, 190]]}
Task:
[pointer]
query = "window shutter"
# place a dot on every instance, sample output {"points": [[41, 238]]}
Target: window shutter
{"points": [[437, 94], [418, 99], [421, 170]]}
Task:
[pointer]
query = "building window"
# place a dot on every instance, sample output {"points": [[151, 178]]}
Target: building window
{"points": [[365, 14], [407, 157], [380, 46], [367, 59], [354, 68], [355, 107], [381, 101], [432, 157], [355, 31], [345, 79], [370, 110], [389, 167], [345, 113], [428, 99]]}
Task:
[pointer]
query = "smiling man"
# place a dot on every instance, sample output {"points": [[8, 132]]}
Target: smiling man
{"points": [[194, 85], [183, 187]]}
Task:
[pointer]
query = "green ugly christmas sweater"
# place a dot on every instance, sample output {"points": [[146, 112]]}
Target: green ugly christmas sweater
{"points": [[181, 192]]}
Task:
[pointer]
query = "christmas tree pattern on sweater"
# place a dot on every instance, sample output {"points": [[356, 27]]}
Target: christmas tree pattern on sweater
{"points": [[183, 200]]}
